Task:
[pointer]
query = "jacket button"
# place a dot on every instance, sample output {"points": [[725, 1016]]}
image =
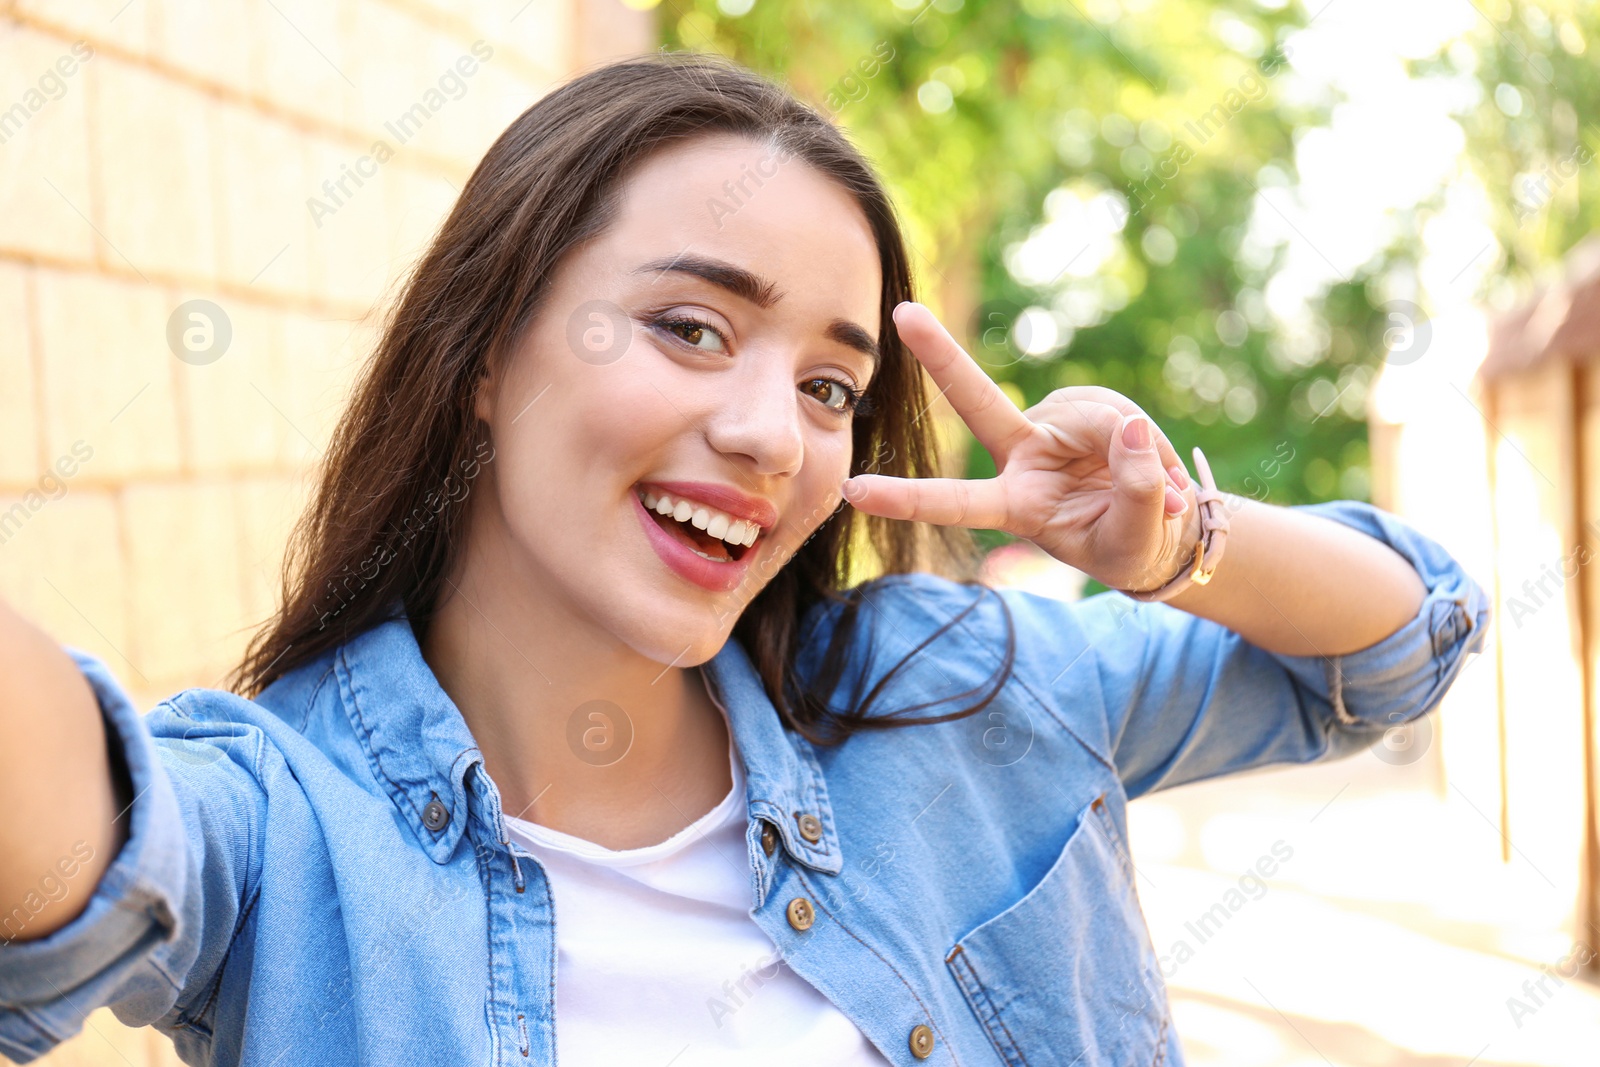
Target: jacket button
{"points": [[800, 914], [769, 837], [810, 826], [434, 816], [921, 1041]]}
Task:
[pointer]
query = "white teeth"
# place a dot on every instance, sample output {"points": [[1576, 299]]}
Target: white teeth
{"points": [[718, 524]]}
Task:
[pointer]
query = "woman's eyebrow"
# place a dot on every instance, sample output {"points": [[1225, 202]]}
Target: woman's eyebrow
{"points": [[760, 292], [848, 333], [752, 287]]}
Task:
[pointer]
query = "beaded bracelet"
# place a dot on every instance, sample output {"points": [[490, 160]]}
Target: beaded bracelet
{"points": [[1208, 549]]}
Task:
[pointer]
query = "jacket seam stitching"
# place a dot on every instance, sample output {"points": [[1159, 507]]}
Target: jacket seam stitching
{"points": [[216, 982], [156, 964], [305, 715], [372, 751], [958, 959], [1114, 837], [1022, 683], [29, 1016], [816, 790], [486, 876]]}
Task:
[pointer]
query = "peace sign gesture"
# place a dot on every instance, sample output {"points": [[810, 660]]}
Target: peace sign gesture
{"points": [[1084, 474]]}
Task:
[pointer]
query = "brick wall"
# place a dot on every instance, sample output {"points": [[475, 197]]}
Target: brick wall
{"points": [[282, 161]]}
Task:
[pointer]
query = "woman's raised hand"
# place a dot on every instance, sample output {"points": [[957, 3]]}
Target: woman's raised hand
{"points": [[1084, 474]]}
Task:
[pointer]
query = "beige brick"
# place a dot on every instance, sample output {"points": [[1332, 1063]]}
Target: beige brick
{"points": [[349, 240], [414, 93], [268, 509], [207, 39], [418, 205], [118, 22], [108, 374], [44, 146], [153, 139], [185, 606], [609, 29], [320, 362], [233, 426], [464, 128], [19, 429], [262, 187], [399, 57], [61, 566], [304, 57], [531, 42], [104, 1039], [504, 95], [540, 33]]}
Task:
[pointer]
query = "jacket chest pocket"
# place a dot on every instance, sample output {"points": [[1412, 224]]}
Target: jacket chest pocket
{"points": [[1067, 975]]}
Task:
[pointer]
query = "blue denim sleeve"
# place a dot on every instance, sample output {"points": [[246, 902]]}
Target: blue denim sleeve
{"points": [[1187, 698], [159, 922]]}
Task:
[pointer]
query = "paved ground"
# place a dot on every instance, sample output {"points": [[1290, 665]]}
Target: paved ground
{"points": [[1392, 934]]}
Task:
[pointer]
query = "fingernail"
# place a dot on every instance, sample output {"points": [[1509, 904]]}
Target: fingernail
{"points": [[1176, 503], [853, 490], [1136, 433], [1180, 477]]}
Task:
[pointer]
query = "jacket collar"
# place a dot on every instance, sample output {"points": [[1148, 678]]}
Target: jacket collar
{"points": [[420, 748], [784, 779], [414, 736]]}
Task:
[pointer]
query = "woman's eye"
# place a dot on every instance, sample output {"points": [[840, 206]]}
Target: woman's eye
{"points": [[693, 332], [833, 393]]}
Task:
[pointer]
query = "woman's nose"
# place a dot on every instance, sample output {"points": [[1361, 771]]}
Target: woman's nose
{"points": [[757, 417]]}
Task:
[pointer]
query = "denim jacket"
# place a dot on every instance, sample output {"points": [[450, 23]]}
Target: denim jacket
{"points": [[322, 875]]}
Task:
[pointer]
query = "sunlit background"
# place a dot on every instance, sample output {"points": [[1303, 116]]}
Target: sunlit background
{"points": [[1339, 244]]}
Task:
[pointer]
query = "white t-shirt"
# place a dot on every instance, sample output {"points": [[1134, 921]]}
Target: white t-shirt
{"points": [[658, 960]]}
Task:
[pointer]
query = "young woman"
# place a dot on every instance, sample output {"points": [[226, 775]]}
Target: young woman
{"points": [[573, 741]]}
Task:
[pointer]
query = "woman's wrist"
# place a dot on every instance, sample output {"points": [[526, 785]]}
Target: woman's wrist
{"points": [[1205, 534], [1180, 554]]}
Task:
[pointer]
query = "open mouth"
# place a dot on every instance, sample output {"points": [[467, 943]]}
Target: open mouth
{"points": [[707, 532]]}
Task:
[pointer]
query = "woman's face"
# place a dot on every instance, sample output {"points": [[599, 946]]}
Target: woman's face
{"points": [[700, 357]]}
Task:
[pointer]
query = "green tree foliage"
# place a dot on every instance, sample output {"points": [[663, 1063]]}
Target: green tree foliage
{"points": [[1532, 137], [1025, 140]]}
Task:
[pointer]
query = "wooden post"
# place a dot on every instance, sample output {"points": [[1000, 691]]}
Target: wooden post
{"points": [[1491, 438], [1586, 435]]}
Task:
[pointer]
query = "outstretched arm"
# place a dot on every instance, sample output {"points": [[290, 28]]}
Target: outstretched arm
{"points": [[61, 799]]}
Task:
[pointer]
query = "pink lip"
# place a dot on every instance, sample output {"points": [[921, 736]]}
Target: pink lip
{"points": [[706, 573], [735, 503]]}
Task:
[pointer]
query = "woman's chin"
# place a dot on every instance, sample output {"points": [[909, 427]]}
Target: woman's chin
{"points": [[678, 638]]}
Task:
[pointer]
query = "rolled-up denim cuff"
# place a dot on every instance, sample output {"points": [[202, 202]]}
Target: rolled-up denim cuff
{"points": [[1404, 675]]}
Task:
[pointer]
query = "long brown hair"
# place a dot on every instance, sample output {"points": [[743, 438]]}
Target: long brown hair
{"points": [[380, 525]]}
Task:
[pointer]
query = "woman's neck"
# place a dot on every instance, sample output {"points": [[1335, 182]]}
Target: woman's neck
{"points": [[579, 732]]}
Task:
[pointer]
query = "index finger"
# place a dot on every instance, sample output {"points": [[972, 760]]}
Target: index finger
{"points": [[997, 423]]}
